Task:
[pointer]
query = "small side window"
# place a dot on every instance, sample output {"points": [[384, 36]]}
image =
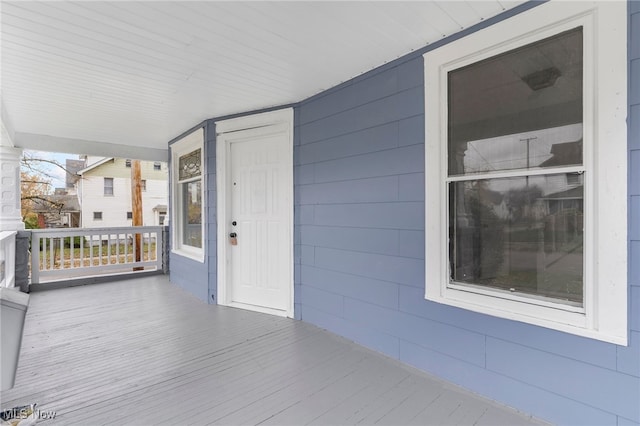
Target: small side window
{"points": [[108, 186], [188, 195]]}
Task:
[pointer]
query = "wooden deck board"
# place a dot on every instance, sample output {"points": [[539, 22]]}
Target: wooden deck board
{"points": [[144, 352]]}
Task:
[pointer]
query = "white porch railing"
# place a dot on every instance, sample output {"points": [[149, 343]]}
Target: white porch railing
{"points": [[59, 254], [7, 258]]}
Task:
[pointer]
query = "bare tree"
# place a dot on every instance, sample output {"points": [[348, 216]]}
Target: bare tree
{"points": [[37, 191]]}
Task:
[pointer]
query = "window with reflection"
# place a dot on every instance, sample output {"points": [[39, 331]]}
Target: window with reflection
{"points": [[515, 176], [190, 192]]}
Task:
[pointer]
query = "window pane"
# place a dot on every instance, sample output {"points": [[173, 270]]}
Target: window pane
{"points": [[192, 214], [520, 109], [189, 165], [522, 234], [108, 186]]}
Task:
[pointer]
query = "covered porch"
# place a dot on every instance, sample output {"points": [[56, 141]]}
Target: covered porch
{"points": [[365, 89], [143, 351]]}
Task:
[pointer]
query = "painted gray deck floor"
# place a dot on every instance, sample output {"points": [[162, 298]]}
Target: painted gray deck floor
{"points": [[143, 352]]}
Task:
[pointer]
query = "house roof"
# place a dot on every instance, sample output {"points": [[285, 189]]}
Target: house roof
{"points": [[564, 153], [123, 78], [94, 165], [57, 203], [576, 193]]}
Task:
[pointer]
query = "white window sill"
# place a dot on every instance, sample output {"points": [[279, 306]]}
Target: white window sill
{"points": [[193, 254]]}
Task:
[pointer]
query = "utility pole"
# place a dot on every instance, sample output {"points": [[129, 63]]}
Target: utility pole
{"points": [[528, 140], [136, 208]]}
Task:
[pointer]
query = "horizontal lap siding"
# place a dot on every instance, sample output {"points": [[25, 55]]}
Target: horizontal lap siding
{"points": [[359, 204], [189, 274], [359, 193]]}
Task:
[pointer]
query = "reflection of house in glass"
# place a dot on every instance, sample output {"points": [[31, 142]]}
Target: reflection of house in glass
{"points": [[522, 233], [542, 148], [563, 154]]}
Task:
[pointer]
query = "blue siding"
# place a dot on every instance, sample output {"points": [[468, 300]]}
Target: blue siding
{"points": [[634, 126], [360, 272], [628, 359], [190, 275], [526, 397]]}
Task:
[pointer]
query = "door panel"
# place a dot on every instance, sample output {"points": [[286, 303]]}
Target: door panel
{"points": [[259, 263]]}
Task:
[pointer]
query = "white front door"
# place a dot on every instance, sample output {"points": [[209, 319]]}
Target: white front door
{"points": [[258, 219]]}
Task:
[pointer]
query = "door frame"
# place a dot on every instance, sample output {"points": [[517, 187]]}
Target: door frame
{"points": [[281, 121]]}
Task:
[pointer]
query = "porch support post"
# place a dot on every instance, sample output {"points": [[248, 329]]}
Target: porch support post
{"points": [[165, 249], [10, 215], [22, 260], [10, 208]]}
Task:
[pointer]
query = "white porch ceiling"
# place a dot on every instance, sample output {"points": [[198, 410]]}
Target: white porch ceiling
{"points": [[79, 76]]}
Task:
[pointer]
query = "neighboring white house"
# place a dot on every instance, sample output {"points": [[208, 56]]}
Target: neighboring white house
{"points": [[104, 192]]}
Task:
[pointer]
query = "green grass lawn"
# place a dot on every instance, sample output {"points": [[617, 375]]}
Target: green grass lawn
{"points": [[96, 255]]}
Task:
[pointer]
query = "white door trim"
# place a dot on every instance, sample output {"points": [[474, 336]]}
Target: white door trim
{"points": [[224, 129]]}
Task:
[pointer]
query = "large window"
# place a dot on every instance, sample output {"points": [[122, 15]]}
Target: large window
{"points": [[515, 220], [188, 200], [514, 224]]}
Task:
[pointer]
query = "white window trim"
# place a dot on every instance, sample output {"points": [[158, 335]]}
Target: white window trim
{"points": [[604, 316], [179, 148]]}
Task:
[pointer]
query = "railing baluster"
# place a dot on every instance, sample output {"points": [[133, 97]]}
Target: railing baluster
{"points": [[51, 253], [43, 252], [71, 249]]}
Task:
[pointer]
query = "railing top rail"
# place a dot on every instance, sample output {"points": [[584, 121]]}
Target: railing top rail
{"points": [[105, 230], [7, 234]]}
